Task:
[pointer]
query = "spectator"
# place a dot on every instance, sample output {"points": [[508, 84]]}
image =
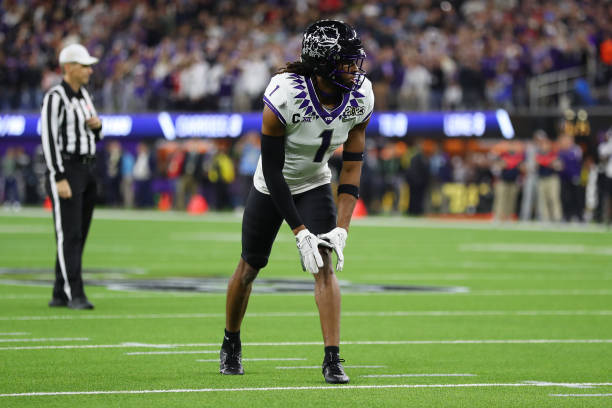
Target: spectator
{"points": [[144, 168], [222, 175], [549, 190], [191, 175], [572, 193], [474, 52], [605, 155], [530, 181], [248, 151], [113, 174], [370, 189], [415, 88], [418, 179], [10, 176], [508, 169], [127, 179]]}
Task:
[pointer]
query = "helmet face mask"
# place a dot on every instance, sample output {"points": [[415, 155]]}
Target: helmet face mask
{"points": [[335, 52]]}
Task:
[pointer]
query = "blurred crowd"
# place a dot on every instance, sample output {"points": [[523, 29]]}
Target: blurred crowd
{"points": [[219, 55], [542, 178]]}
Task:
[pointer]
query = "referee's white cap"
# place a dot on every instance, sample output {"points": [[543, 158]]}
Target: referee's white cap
{"points": [[76, 53]]}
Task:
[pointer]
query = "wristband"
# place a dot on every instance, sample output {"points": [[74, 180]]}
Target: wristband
{"points": [[352, 156], [348, 189]]}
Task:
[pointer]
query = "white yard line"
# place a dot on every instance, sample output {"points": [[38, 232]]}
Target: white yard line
{"points": [[116, 295], [145, 353], [216, 360], [319, 367], [580, 395], [535, 248], [370, 221], [416, 375], [14, 334], [310, 388], [315, 343], [24, 229], [44, 339], [543, 292], [173, 294], [391, 313]]}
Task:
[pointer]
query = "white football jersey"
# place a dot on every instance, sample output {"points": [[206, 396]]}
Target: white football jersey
{"points": [[312, 132]]}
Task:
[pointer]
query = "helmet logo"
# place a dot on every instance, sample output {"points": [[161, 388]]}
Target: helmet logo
{"points": [[321, 42]]}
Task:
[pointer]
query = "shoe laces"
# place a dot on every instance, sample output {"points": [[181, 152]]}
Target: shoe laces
{"points": [[233, 356], [335, 366]]}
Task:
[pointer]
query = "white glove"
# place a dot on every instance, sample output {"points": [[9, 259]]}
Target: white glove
{"points": [[307, 244], [337, 239]]}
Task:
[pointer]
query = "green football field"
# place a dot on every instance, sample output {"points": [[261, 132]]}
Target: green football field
{"points": [[435, 314]]}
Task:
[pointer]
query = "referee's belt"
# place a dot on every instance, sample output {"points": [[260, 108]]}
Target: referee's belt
{"points": [[79, 158]]}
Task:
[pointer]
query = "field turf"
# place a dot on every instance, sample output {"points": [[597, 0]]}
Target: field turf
{"points": [[496, 316]]}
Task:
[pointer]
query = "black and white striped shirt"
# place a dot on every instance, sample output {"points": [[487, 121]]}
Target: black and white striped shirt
{"points": [[63, 127]]}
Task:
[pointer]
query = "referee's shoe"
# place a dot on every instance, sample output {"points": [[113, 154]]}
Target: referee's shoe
{"points": [[76, 303], [80, 303]]}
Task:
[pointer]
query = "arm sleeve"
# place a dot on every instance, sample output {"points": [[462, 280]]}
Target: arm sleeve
{"points": [[49, 123], [273, 160]]}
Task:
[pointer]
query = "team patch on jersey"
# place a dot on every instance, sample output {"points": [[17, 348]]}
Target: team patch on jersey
{"points": [[297, 118], [351, 111]]}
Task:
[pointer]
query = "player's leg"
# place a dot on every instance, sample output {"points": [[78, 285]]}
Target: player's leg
{"points": [[238, 293], [260, 224], [327, 296], [318, 212]]}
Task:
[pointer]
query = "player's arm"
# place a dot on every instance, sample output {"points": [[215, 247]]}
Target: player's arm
{"points": [[348, 190], [273, 161], [350, 175]]}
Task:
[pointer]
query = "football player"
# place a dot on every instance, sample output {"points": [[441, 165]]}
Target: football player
{"points": [[312, 107]]}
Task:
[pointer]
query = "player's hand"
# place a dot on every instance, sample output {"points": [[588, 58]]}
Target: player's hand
{"points": [[94, 123], [337, 239], [63, 189], [308, 245]]}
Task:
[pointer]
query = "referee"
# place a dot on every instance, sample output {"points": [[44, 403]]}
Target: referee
{"points": [[70, 128]]}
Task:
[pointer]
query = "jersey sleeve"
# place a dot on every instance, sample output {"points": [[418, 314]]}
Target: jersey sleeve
{"points": [[368, 104], [50, 123], [275, 97]]}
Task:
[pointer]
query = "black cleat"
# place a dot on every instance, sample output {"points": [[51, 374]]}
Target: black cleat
{"points": [[58, 302], [231, 360], [80, 304], [334, 372]]}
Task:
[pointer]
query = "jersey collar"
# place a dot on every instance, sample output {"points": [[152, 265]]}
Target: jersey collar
{"points": [[327, 116], [69, 91]]}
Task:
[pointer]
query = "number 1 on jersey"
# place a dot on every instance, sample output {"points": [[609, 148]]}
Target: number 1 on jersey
{"points": [[326, 136]]}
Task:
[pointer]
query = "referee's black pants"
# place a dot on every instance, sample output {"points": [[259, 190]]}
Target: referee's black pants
{"points": [[71, 219]]}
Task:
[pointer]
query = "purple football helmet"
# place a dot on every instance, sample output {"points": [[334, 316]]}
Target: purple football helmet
{"points": [[332, 47]]}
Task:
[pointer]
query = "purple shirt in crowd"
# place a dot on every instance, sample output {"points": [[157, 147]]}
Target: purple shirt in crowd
{"points": [[572, 164]]}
